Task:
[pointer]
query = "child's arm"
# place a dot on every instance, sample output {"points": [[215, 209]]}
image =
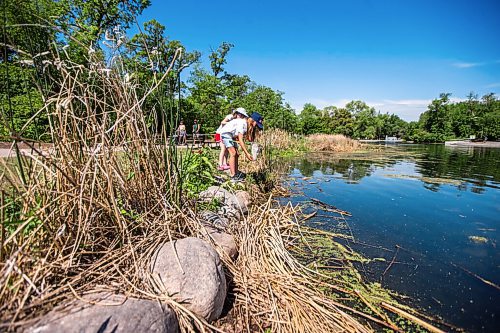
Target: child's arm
{"points": [[244, 147], [226, 120]]}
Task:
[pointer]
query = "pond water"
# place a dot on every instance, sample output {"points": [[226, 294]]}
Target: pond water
{"points": [[432, 210]]}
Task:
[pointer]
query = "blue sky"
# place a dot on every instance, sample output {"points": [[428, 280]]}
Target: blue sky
{"points": [[395, 55]]}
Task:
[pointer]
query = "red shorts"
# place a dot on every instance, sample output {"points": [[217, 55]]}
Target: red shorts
{"points": [[217, 137]]}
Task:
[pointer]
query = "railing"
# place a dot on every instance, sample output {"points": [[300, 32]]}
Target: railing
{"points": [[196, 139]]}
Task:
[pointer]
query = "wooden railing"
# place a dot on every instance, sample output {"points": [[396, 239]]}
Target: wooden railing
{"points": [[197, 140]]}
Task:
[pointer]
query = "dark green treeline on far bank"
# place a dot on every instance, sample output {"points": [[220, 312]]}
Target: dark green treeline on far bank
{"points": [[35, 35]]}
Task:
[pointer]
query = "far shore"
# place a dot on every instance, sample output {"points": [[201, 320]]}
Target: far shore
{"points": [[466, 143], [457, 143], [7, 151]]}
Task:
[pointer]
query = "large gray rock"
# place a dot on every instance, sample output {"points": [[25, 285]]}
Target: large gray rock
{"points": [[109, 313], [211, 219], [244, 199], [222, 240], [192, 273]]}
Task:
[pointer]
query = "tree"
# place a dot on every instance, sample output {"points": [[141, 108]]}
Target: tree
{"points": [[26, 40], [149, 56], [341, 121], [270, 105], [87, 21], [216, 92], [365, 126], [490, 120], [389, 125], [310, 119], [436, 119]]}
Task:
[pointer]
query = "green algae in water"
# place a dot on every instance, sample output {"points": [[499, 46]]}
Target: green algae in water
{"points": [[342, 281], [433, 180]]}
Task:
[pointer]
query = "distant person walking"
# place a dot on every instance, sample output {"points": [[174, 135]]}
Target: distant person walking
{"points": [[196, 131], [181, 132]]}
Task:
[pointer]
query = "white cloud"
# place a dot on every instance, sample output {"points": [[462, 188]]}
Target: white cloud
{"points": [[467, 64], [493, 85], [323, 103], [407, 109]]}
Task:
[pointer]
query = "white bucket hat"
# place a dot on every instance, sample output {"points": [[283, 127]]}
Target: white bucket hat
{"points": [[241, 111]]}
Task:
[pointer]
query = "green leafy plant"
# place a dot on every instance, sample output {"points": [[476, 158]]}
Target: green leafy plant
{"points": [[196, 172]]}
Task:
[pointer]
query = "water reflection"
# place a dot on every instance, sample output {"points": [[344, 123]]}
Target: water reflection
{"points": [[350, 170], [478, 167], [471, 169], [424, 200]]}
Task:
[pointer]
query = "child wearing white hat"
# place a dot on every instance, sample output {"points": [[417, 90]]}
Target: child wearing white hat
{"points": [[232, 134]]}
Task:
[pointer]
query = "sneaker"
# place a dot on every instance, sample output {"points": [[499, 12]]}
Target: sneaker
{"points": [[225, 167], [235, 179], [239, 177], [221, 168]]}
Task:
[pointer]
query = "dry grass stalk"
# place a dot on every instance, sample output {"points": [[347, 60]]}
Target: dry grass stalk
{"points": [[277, 138], [89, 214], [273, 290], [332, 142]]}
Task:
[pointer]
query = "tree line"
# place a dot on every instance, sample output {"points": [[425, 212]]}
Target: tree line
{"points": [[35, 33], [477, 118]]}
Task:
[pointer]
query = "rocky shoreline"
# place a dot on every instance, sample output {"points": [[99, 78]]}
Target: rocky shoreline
{"points": [[188, 270]]}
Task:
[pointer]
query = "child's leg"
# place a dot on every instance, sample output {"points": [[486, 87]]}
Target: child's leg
{"points": [[222, 153], [233, 160]]}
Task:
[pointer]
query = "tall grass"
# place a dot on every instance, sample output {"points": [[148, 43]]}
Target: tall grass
{"points": [[278, 139], [283, 141], [84, 214], [331, 142]]}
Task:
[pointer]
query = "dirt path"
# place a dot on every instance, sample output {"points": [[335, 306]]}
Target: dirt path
{"points": [[6, 148]]}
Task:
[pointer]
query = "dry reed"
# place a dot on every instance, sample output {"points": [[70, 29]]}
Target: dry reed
{"points": [[89, 213], [273, 290], [332, 142], [277, 138]]}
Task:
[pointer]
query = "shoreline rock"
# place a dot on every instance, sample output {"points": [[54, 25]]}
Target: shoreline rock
{"points": [[487, 144], [192, 273], [107, 312]]}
